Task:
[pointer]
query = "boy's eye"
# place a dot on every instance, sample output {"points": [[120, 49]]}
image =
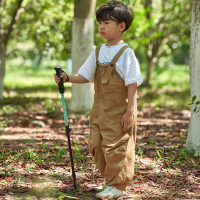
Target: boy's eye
{"points": [[106, 22]]}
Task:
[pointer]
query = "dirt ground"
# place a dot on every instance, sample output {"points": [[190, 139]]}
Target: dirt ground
{"points": [[35, 162]]}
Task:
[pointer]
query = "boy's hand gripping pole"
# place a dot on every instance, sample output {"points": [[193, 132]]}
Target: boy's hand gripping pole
{"points": [[61, 89]]}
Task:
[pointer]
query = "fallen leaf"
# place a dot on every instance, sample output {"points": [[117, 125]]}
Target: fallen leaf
{"points": [[197, 186], [9, 179], [66, 183], [38, 136], [85, 143], [23, 165], [46, 166], [138, 188]]}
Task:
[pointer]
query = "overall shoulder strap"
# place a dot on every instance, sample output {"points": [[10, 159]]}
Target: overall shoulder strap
{"points": [[112, 64], [97, 53], [119, 53], [97, 59]]}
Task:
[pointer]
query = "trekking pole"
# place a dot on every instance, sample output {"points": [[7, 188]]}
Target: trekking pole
{"points": [[61, 89]]}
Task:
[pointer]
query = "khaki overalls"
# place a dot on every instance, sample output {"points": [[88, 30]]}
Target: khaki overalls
{"points": [[113, 151]]}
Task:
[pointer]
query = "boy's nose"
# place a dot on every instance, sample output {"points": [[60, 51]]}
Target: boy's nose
{"points": [[101, 27]]}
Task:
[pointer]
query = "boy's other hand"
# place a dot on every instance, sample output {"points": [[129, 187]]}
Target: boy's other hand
{"points": [[57, 79], [126, 121]]}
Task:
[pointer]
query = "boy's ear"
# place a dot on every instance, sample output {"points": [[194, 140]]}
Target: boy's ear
{"points": [[122, 26]]}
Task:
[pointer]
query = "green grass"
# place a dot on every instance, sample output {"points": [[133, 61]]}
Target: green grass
{"points": [[25, 86], [23, 76], [170, 87], [176, 77]]}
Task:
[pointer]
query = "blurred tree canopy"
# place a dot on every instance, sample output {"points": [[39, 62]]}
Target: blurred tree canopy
{"points": [[160, 30], [159, 27], [44, 27]]}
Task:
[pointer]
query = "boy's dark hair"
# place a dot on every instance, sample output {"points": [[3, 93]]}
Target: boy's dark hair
{"points": [[116, 11]]}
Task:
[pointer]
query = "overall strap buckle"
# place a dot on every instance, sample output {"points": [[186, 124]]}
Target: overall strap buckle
{"points": [[112, 64]]}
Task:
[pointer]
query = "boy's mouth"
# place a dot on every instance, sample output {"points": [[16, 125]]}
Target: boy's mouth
{"points": [[102, 33]]}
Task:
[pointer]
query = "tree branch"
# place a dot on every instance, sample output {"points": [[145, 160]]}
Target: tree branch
{"points": [[12, 22], [148, 8]]}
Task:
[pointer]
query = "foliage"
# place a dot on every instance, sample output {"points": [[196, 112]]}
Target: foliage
{"points": [[158, 23], [156, 27], [44, 27], [167, 88], [9, 14], [160, 33]]}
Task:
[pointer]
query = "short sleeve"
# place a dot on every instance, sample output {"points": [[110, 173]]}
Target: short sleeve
{"points": [[87, 69], [131, 70]]}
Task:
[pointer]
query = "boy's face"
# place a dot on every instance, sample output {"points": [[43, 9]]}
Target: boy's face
{"points": [[110, 29]]}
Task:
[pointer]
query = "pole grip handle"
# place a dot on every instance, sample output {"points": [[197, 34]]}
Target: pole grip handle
{"points": [[60, 84]]}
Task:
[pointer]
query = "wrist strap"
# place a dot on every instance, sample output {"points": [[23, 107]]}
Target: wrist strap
{"points": [[67, 80]]}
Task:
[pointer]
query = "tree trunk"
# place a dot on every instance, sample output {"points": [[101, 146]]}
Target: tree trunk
{"points": [[4, 42], [193, 139], [2, 69], [149, 64], [82, 44]]}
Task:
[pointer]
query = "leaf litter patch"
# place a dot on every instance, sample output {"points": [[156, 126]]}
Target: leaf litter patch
{"points": [[35, 162]]}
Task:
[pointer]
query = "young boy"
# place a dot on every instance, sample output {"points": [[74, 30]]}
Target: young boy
{"points": [[115, 72]]}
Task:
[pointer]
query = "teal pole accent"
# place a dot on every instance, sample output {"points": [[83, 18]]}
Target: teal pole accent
{"points": [[64, 109], [61, 89]]}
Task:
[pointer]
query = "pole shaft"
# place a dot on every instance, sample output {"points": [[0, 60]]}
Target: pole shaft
{"points": [[71, 156], [64, 109], [61, 89], [68, 138]]}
